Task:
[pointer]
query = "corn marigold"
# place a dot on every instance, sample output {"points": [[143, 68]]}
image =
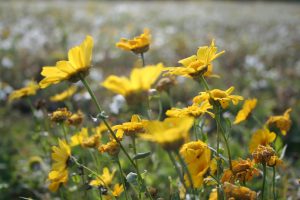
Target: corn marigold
{"points": [[118, 189], [104, 179], [79, 137], [283, 122], [223, 97], [197, 65], [76, 118], [59, 171], [248, 106], [170, 133], [266, 155], [135, 126], [112, 148], [238, 192], [64, 95], [261, 137], [60, 115], [28, 90], [242, 170], [195, 110], [137, 45], [141, 80], [79, 62], [196, 155]]}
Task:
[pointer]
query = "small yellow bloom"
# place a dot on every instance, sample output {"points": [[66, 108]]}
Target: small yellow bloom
{"points": [[238, 192], [195, 110], [223, 97], [197, 65], [60, 115], [59, 173], [196, 155], [104, 180], [29, 90], [283, 122], [112, 148], [118, 189], [79, 137], [79, 62], [248, 106], [91, 142], [242, 170], [139, 44], [170, 134], [135, 126], [76, 118], [64, 95], [141, 80], [261, 137]]}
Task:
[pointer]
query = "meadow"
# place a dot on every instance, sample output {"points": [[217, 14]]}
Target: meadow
{"points": [[120, 119]]}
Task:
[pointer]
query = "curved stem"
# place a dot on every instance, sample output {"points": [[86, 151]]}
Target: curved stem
{"points": [[143, 59], [85, 83]]}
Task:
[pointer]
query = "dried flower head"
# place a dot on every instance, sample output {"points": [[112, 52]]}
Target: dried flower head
{"points": [[112, 148], [264, 154], [261, 137], [60, 115], [76, 118], [238, 192]]}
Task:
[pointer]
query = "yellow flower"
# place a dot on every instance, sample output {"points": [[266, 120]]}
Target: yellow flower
{"points": [[118, 189], [79, 62], [76, 118], [261, 137], [170, 134], [264, 155], [238, 192], [29, 90], [104, 180], [64, 95], [60, 115], [135, 126], [196, 155], [92, 141], [59, 173], [198, 65], [140, 80], [242, 170], [139, 44], [195, 110], [248, 106], [57, 178], [79, 137], [282, 122], [213, 195], [112, 148], [223, 97]]}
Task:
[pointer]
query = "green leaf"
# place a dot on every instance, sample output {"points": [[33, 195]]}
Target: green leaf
{"points": [[141, 155]]}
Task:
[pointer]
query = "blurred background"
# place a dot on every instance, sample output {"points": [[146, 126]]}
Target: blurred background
{"points": [[262, 59]]}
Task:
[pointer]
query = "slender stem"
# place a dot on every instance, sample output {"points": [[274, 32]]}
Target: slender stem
{"points": [[64, 131], [196, 122], [122, 177], [264, 180], [177, 170], [143, 59], [184, 165], [274, 182], [218, 162], [85, 83], [160, 107], [136, 161]]}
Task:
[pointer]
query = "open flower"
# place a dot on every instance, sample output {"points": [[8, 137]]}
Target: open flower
{"points": [[139, 44], [261, 137], [135, 126], [248, 106], [223, 97], [283, 122], [104, 179], [79, 137], [196, 155], [170, 133], [29, 90], [79, 62], [197, 65], [118, 189], [64, 95], [195, 110], [141, 80], [59, 173]]}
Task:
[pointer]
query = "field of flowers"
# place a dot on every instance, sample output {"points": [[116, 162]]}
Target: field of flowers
{"points": [[160, 100]]}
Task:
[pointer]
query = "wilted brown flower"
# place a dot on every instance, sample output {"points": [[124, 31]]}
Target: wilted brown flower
{"points": [[263, 154], [238, 192], [60, 115]]}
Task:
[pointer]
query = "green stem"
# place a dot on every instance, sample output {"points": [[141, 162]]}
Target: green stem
{"points": [[264, 180], [177, 170], [218, 162], [136, 161], [274, 182], [195, 129], [122, 177], [143, 59], [64, 131], [87, 86], [184, 166], [160, 107]]}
